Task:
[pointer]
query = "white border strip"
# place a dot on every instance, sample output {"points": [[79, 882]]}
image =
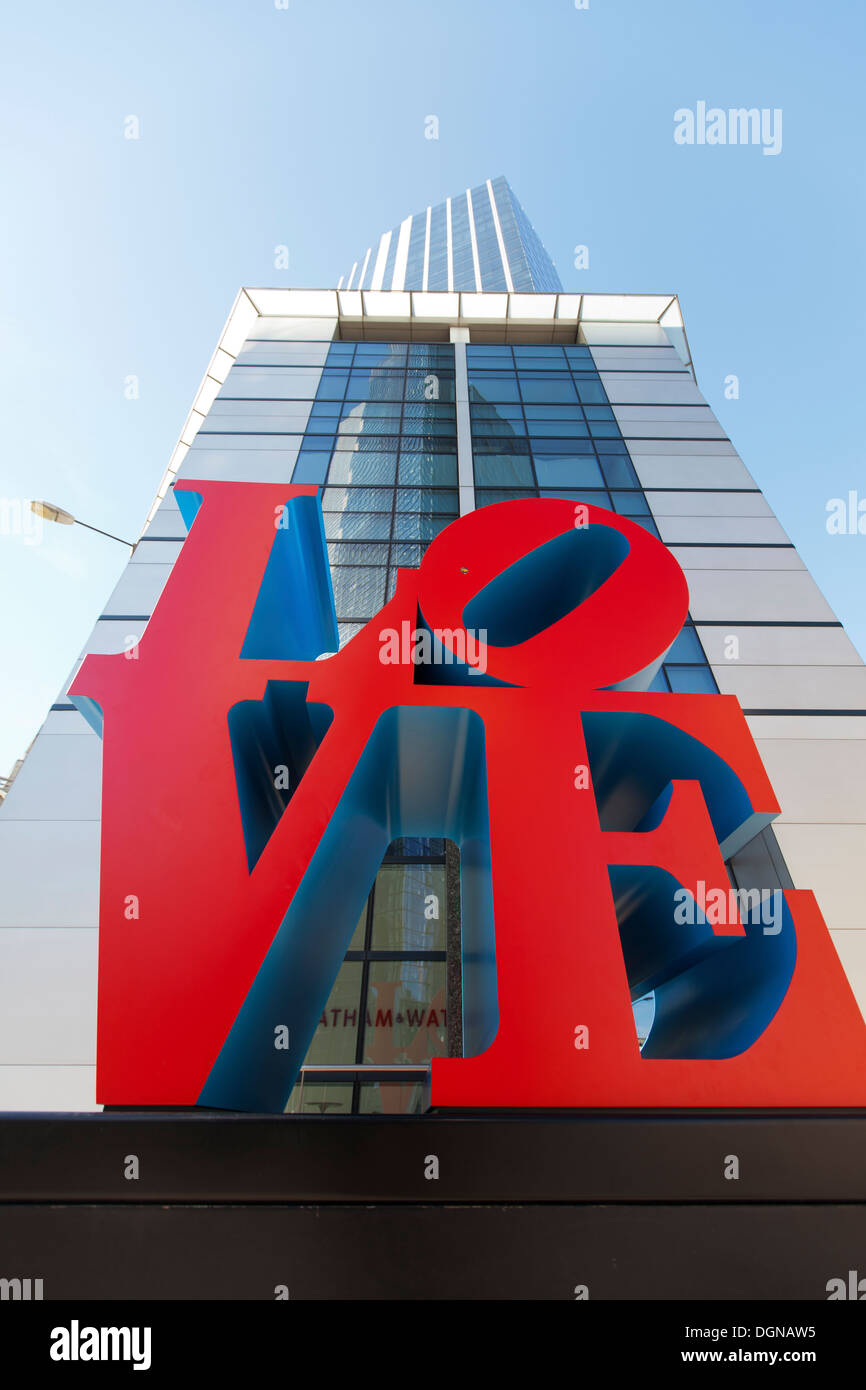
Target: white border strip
{"points": [[398, 279], [509, 283], [472, 238]]}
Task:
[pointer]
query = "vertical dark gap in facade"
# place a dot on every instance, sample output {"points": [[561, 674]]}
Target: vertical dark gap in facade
{"points": [[453, 944]]}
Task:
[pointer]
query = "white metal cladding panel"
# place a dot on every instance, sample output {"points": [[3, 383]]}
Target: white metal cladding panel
{"points": [[282, 354], [667, 414], [138, 589], [271, 383], [793, 687], [167, 519], [50, 873], [697, 469], [228, 441], [828, 859], [155, 552], [224, 414], [288, 329], [60, 775], [109, 637], [624, 336], [690, 449], [653, 388], [736, 557], [218, 431], [48, 1088], [781, 646], [730, 530], [724, 502], [229, 409], [636, 359], [265, 417], [757, 596], [818, 781], [851, 950], [667, 422], [47, 996], [242, 464], [848, 726], [65, 723]]}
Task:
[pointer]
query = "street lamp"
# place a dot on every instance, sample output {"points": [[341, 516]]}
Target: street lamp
{"points": [[49, 512]]}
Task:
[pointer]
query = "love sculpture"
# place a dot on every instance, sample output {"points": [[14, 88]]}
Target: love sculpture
{"points": [[581, 805]]}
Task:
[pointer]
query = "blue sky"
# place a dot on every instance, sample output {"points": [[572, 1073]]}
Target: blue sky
{"points": [[304, 126]]}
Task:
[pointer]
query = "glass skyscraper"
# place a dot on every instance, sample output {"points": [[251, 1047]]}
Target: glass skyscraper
{"points": [[479, 240]]}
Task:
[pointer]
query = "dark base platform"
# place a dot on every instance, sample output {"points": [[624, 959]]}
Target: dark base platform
{"points": [[529, 1206]]}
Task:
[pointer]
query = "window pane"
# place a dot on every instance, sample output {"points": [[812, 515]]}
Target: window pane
{"points": [[357, 553], [336, 1037], [409, 908], [332, 386], [591, 497], [526, 355], [407, 554], [346, 632], [691, 680], [310, 468], [355, 424], [488, 496], [392, 1098], [427, 500], [320, 1098], [376, 385], [618, 471], [380, 351], [416, 847], [357, 526], [553, 412], [359, 592], [687, 647], [357, 499], [406, 1021], [557, 429], [590, 392], [630, 503], [409, 527], [486, 354], [503, 470], [428, 470], [356, 466], [552, 388], [564, 470], [432, 385], [484, 386]]}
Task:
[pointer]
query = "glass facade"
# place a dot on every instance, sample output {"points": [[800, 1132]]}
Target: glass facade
{"points": [[480, 240], [382, 444]]}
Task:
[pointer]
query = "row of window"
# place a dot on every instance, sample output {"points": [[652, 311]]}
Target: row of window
{"points": [[546, 470], [337, 384], [359, 469], [535, 388], [575, 356], [343, 354], [511, 420]]}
